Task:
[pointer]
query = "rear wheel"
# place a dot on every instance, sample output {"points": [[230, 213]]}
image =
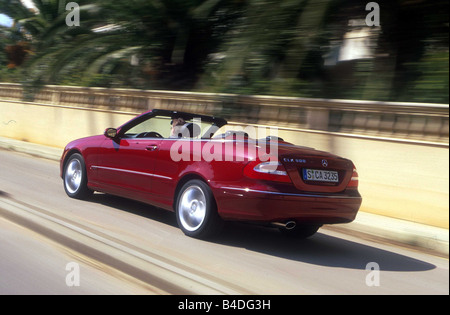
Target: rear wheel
{"points": [[75, 177], [196, 210], [301, 231]]}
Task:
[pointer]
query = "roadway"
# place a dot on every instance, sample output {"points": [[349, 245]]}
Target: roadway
{"points": [[125, 247]]}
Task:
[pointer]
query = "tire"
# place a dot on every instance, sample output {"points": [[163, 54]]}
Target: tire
{"points": [[75, 178], [301, 231], [196, 210]]}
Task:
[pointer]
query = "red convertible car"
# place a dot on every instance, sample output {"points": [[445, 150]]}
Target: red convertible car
{"points": [[186, 163]]}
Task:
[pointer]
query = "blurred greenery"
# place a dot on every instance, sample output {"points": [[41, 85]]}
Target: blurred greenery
{"points": [[272, 47]]}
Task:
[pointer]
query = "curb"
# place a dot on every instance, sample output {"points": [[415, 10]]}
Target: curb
{"points": [[33, 149], [431, 239], [423, 237]]}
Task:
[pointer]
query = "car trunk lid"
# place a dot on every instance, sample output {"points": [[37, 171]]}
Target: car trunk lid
{"points": [[315, 171]]}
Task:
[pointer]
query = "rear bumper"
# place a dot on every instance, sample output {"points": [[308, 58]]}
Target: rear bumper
{"points": [[236, 203]]}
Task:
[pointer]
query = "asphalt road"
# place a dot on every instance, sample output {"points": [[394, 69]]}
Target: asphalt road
{"points": [[125, 247], [32, 265]]}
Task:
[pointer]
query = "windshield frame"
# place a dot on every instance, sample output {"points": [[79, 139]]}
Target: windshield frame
{"points": [[215, 122]]}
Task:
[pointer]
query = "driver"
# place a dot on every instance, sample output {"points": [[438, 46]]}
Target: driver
{"points": [[177, 123]]}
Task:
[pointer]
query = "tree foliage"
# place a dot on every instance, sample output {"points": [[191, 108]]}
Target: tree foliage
{"points": [[278, 47]]}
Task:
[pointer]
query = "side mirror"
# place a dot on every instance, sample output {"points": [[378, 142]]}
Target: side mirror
{"points": [[111, 133]]}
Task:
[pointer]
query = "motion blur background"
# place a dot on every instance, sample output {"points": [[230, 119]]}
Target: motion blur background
{"points": [[302, 48]]}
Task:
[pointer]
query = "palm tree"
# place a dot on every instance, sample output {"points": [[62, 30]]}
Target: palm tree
{"points": [[167, 41], [170, 38], [40, 28], [13, 45]]}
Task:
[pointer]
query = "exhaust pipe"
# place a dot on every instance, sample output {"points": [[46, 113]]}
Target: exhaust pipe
{"points": [[289, 225]]}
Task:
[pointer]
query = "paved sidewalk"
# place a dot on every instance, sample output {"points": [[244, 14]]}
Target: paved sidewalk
{"points": [[433, 239]]}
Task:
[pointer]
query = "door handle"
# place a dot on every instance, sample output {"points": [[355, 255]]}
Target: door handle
{"points": [[151, 147]]}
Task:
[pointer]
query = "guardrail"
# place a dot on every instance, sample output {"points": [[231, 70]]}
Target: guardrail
{"points": [[411, 122]]}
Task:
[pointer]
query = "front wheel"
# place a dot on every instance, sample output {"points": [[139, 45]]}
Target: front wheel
{"points": [[196, 210], [75, 178]]}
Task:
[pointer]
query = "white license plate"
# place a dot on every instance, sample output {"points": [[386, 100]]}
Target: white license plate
{"points": [[320, 175]]}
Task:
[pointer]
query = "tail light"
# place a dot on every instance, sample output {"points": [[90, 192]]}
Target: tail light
{"points": [[273, 171], [354, 181]]}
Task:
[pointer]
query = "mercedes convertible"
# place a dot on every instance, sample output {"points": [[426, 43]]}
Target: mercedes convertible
{"points": [[205, 172]]}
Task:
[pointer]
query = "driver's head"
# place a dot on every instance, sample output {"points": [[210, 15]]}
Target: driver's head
{"points": [[177, 123]]}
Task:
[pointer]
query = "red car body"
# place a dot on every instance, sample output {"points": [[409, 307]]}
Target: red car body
{"points": [[142, 168]]}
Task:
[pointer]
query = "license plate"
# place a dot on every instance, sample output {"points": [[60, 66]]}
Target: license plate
{"points": [[320, 175]]}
